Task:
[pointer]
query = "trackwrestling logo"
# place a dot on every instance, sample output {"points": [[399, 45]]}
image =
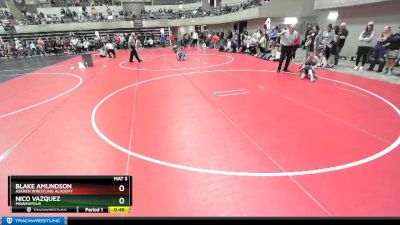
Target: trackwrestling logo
{"points": [[33, 220]]}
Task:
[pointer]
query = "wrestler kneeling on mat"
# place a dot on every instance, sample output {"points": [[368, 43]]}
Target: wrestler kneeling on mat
{"points": [[307, 68], [180, 54]]}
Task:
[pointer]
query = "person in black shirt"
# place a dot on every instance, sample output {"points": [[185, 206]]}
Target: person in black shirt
{"points": [[222, 37], [342, 35], [392, 54], [309, 30], [69, 13], [378, 55], [24, 10]]}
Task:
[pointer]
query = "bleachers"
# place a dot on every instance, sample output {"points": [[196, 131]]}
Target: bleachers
{"points": [[89, 34], [56, 11], [156, 8]]}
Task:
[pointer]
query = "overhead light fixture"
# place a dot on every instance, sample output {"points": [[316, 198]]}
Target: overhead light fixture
{"points": [[333, 15], [290, 20]]}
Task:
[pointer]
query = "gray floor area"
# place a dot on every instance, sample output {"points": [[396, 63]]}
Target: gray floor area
{"points": [[347, 67], [11, 68]]}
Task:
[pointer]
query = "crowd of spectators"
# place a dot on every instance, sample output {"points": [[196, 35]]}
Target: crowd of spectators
{"points": [[194, 13], [326, 44], [7, 21], [71, 44], [88, 12], [375, 48]]}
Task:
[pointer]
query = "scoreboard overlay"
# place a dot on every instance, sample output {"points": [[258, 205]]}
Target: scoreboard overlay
{"points": [[70, 194]]}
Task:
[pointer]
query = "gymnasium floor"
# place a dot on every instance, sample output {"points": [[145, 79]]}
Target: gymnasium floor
{"points": [[218, 135]]}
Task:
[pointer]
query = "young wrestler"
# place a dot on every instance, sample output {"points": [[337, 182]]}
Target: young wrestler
{"points": [[102, 52], [180, 54], [307, 69]]}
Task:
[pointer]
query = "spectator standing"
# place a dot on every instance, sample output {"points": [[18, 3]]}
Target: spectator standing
{"points": [[296, 45], [274, 34], [333, 47], [117, 40], [172, 39], [309, 30], [195, 38], [222, 37], [317, 42], [378, 55], [309, 44], [327, 39], [32, 47], [86, 45], [24, 10], [263, 43], [365, 45], [216, 41], [392, 54], [41, 46], [342, 35]]}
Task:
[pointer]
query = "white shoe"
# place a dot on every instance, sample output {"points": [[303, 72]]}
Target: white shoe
{"points": [[312, 79], [303, 75], [356, 68], [361, 68]]}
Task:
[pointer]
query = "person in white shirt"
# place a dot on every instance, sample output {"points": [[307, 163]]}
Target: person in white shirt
{"points": [[32, 46], [132, 44], [228, 47], [16, 43], [151, 42], [74, 43], [138, 44], [195, 38], [287, 41], [102, 52], [122, 42], [278, 53], [86, 45], [110, 49]]}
